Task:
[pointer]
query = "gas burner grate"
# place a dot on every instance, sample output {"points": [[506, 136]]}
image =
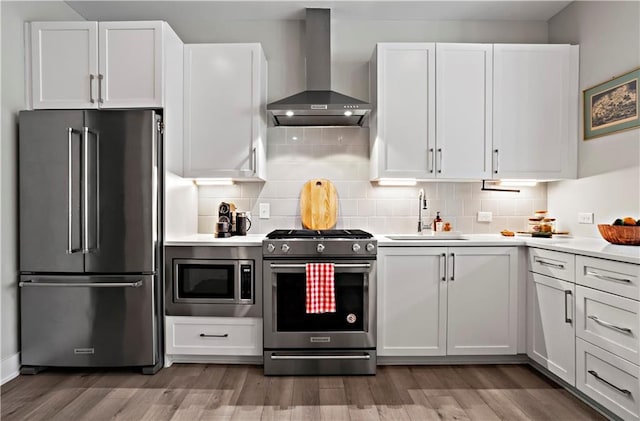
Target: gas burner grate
{"points": [[315, 234]]}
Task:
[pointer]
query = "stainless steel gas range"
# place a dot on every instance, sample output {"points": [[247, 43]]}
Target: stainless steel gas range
{"points": [[341, 342]]}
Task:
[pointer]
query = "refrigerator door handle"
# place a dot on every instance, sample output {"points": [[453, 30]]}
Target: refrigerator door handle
{"points": [[70, 132], [30, 283], [86, 247]]}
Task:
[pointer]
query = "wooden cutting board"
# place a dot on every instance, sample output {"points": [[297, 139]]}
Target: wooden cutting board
{"points": [[318, 204]]}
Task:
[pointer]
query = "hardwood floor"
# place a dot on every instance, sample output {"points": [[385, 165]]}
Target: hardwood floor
{"points": [[239, 392]]}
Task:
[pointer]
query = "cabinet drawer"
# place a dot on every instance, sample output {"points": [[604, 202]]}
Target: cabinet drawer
{"points": [[609, 380], [552, 263], [607, 275], [609, 321], [213, 336]]}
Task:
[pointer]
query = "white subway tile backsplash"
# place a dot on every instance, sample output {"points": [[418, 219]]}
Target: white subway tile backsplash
{"points": [[342, 156]]}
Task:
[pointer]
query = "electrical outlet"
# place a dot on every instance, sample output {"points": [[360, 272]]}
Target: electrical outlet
{"points": [[485, 216], [585, 218], [264, 210]]}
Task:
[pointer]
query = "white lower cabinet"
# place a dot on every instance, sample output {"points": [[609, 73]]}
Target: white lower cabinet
{"points": [[550, 323], [213, 336], [608, 379], [412, 301], [447, 301]]}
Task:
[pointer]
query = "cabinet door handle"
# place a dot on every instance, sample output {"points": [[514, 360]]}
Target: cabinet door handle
{"points": [[443, 260], [439, 160], [566, 307], [100, 78], [453, 267], [496, 161], [204, 335], [553, 265], [254, 166], [431, 160], [610, 325], [607, 278], [91, 78], [623, 391]]}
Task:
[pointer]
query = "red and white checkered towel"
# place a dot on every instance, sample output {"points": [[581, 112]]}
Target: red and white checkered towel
{"points": [[321, 294]]}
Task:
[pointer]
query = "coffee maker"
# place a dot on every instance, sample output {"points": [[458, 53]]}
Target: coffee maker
{"points": [[231, 222], [226, 220]]}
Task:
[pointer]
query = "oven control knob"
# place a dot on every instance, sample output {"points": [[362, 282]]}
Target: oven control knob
{"points": [[355, 247], [320, 248], [370, 247], [285, 248], [271, 248]]}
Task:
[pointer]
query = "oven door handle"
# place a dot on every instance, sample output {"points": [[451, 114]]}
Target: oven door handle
{"points": [[321, 357], [337, 265]]}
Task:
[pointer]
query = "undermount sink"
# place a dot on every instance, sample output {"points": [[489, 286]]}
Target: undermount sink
{"points": [[439, 236]]}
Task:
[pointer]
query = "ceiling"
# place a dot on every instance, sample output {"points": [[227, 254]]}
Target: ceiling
{"points": [[340, 9]]}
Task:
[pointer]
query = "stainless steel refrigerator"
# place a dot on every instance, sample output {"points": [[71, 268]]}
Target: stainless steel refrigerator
{"points": [[90, 239]]}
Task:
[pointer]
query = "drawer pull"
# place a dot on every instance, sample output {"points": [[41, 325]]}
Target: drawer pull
{"points": [[610, 325], [623, 391], [553, 265], [607, 278], [204, 335]]}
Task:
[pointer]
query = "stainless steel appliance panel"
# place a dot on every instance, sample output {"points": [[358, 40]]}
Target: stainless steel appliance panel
{"points": [[87, 321], [122, 203], [325, 363], [176, 306], [49, 149], [333, 335]]}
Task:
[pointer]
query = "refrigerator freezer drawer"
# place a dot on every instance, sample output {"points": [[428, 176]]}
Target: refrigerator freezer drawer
{"points": [[87, 321]]}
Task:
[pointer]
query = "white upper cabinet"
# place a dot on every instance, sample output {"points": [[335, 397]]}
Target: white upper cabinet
{"points": [[100, 64], [474, 111], [403, 123], [535, 120], [225, 111], [464, 80], [64, 64], [131, 64]]}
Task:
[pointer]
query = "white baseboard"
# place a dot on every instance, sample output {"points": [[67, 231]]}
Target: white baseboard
{"points": [[10, 368]]}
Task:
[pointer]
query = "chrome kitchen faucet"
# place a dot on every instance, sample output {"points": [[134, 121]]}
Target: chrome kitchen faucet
{"points": [[422, 205]]}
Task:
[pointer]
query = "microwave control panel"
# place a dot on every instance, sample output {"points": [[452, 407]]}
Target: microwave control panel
{"points": [[246, 282]]}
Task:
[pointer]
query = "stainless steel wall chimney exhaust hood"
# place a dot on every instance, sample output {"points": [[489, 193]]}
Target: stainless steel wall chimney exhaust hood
{"points": [[318, 105]]}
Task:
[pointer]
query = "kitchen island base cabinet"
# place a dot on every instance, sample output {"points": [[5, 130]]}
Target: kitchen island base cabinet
{"points": [[435, 301]]}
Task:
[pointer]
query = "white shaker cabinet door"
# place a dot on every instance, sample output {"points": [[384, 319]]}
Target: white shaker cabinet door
{"points": [[404, 92], [412, 301], [130, 64], [551, 325], [464, 79], [64, 64], [224, 103], [535, 120], [482, 311]]}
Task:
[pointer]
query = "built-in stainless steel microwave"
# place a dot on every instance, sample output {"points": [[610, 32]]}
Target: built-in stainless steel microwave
{"points": [[213, 281]]}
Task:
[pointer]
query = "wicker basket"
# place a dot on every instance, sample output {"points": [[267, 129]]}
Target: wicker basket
{"points": [[628, 235]]}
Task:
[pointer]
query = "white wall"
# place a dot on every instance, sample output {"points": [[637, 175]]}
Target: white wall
{"points": [[14, 14], [609, 166], [342, 154]]}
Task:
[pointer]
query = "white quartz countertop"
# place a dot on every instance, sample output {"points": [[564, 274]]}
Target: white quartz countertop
{"points": [[593, 247], [211, 240]]}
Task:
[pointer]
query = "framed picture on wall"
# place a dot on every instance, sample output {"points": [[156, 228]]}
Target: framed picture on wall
{"points": [[612, 106]]}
